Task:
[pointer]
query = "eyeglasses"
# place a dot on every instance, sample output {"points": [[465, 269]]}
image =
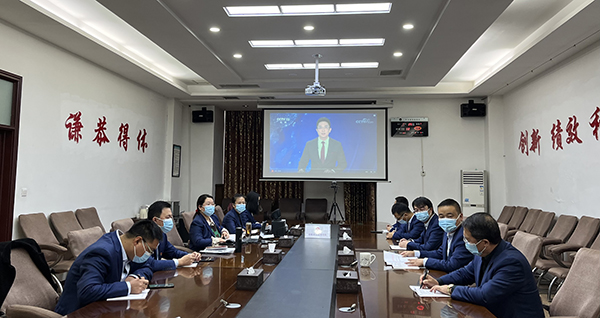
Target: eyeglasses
{"points": [[144, 245]]}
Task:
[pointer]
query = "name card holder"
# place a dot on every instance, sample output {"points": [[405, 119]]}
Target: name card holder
{"points": [[321, 231]]}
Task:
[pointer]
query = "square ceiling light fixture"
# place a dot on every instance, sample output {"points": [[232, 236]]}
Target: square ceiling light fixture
{"points": [[309, 9]]}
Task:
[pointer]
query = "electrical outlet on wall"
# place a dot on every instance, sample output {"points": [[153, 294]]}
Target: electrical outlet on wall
{"points": [[423, 173], [23, 192]]}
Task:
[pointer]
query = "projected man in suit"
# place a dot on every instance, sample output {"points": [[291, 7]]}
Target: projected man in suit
{"points": [[325, 154]]}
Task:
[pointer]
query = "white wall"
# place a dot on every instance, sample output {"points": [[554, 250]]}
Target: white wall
{"points": [[62, 175], [564, 181]]}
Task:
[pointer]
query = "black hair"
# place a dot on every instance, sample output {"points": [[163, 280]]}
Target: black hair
{"points": [[325, 119], [201, 200], [401, 199], [421, 202], [400, 209], [450, 202], [252, 204], [483, 226], [147, 229], [237, 196], [155, 209]]}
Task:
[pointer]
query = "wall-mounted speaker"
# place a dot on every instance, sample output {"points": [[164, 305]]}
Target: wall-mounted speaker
{"points": [[202, 116], [472, 109]]}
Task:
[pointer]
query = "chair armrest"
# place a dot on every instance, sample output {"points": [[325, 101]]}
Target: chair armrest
{"points": [[550, 241], [185, 249], [558, 250], [510, 233], [54, 248], [24, 311]]}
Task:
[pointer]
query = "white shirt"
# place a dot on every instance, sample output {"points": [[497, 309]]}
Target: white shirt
{"points": [[126, 266], [450, 237]]}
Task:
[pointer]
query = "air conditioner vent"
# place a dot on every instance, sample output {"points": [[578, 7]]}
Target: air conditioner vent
{"points": [[390, 73], [238, 86]]}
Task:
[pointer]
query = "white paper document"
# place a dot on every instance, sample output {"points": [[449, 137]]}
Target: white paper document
{"points": [[221, 250], [191, 265], [426, 292], [139, 296], [397, 261], [267, 236], [397, 248]]}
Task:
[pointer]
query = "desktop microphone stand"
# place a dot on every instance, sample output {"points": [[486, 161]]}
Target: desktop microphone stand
{"points": [[335, 208]]}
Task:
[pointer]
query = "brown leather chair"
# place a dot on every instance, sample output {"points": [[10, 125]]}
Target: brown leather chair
{"points": [[527, 224], [506, 214], [543, 223], [529, 244], [560, 232], [88, 218], [188, 218], [290, 208], [315, 210], [35, 226], [580, 292], [123, 225], [175, 239], [503, 230], [80, 240], [62, 223], [219, 213], [517, 217]]}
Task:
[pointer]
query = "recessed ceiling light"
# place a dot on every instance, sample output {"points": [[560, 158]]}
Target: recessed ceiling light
{"points": [[397, 53], [408, 26], [309, 28], [315, 43], [310, 66], [237, 56], [317, 9], [214, 29]]}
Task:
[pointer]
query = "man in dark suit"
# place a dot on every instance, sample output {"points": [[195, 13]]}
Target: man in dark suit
{"points": [[433, 236], [503, 280], [325, 154], [102, 270], [409, 228]]}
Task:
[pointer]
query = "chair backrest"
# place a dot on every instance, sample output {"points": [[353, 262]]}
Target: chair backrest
{"points": [[226, 202], [542, 224], [63, 223], [506, 214], [188, 218], [530, 219], [503, 230], [290, 207], [174, 238], [88, 218], [585, 232], [517, 217], [266, 205], [564, 227], [315, 209], [596, 244], [30, 286], [219, 213], [35, 226], [580, 291], [123, 224], [530, 245], [80, 240]]}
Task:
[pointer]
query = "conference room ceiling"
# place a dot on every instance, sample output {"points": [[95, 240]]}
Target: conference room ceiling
{"points": [[464, 48]]}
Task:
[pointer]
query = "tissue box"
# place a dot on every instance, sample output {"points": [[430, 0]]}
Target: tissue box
{"points": [[342, 242], [345, 259], [346, 282], [272, 258], [345, 230], [286, 241], [296, 231], [249, 281]]}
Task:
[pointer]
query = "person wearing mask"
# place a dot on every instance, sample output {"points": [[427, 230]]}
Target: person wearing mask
{"points": [[252, 207], [103, 270], [394, 227], [206, 229], [452, 255], [233, 218], [160, 213], [504, 283], [410, 227], [432, 237]]}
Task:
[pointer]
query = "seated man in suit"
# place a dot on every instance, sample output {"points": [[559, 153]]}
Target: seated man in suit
{"points": [[452, 255], [394, 227], [103, 269], [503, 280], [432, 237], [410, 227], [325, 154], [233, 218], [160, 213], [206, 230]]}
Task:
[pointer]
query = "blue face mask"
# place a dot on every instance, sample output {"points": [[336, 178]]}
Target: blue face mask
{"points": [[401, 221], [167, 225], [141, 259], [209, 210], [240, 207], [473, 247], [448, 225], [422, 216]]}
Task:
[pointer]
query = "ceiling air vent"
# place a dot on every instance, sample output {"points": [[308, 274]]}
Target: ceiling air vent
{"points": [[230, 97], [238, 86], [390, 73], [266, 97]]}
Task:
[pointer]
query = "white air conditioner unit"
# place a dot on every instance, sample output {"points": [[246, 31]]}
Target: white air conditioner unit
{"points": [[473, 191]]}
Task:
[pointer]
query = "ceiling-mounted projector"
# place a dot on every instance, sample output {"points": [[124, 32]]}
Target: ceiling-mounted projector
{"points": [[316, 89]]}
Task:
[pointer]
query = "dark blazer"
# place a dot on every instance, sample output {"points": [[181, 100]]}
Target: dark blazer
{"points": [[232, 220], [335, 154], [430, 239], [201, 233], [248, 217], [398, 227], [416, 228], [165, 250], [96, 275], [507, 288], [457, 258]]}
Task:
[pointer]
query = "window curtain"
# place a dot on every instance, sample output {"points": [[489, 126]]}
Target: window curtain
{"points": [[359, 202], [243, 158]]}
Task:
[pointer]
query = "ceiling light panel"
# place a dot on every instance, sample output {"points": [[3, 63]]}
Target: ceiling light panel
{"points": [[308, 9], [271, 43], [250, 11], [362, 42], [316, 43], [318, 9], [321, 65], [331, 42], [356, 8], [311, 66]]}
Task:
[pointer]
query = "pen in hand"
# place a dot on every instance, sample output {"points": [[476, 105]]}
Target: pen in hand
{"points": [[424, 277]]}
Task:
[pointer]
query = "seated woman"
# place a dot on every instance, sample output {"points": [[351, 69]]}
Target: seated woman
{"points": [[206, 229], [252, 207], [233, 218]]}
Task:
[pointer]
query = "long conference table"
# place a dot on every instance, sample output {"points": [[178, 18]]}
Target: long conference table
{"points": [[301, 285]]}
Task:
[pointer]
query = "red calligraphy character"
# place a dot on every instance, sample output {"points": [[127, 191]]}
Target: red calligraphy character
{"points": [[74, 125], [572, 130], [595, 123], [141, 139], [535, 141], [123, 136], [101, 132], [556, 135], [523, 146]]}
